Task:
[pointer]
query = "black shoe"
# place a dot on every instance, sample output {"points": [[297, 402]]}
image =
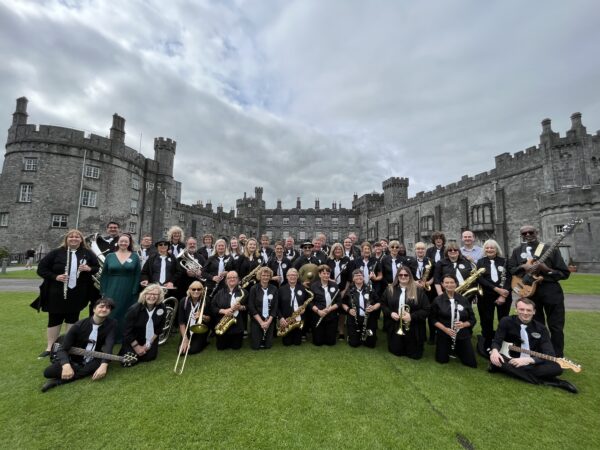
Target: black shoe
{"points": [[53, 382], [341, 337], [563, 384], [44, 354]]}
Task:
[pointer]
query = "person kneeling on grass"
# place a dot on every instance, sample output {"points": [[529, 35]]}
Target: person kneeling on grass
{"points": [[97, 332], [530, 335]]}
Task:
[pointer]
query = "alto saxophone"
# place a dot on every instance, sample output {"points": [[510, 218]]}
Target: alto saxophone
{"points": [[425, 276], [229, 319], [252, 275], [291, 322]]}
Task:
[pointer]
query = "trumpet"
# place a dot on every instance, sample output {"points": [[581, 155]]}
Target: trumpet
{"points": [[229, 319], [191, 329], [403, 326]]}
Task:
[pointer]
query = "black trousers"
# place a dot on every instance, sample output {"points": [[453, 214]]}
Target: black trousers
{"points": [[407, 345], [463, 350], [355, 334], [198, 342], [486, 306], [256, 335], [233, 341], [81, 370], [534, 374], [326, 332], [550, 310], [294, 337]]}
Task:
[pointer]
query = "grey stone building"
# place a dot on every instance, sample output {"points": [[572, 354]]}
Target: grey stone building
{"points": [[545, 185], [300, 223], [56, 178]]}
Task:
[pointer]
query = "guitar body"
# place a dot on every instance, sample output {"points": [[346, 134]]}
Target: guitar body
{"points": [[524, 287], [564, 363], [127, 360]]}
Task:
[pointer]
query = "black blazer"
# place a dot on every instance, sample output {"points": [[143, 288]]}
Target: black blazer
{"points": [[345, 271], [135, 323], [419, 309], [386, 266], [255, 300], [151, 275], [319, 299], [78, 336], [446, 267], [509, 330], [430, 253], [285, 308], [485, 279], [222, 300], [440, 312], [211, 269], [274, 266]]}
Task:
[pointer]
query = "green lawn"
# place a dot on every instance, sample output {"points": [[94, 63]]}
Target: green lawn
{"points": [[582, 283], [304, 397], [21, 275]]}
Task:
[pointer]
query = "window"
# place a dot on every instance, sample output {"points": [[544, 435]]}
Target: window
{"points": [[319, 221], [269, 221], [481, 214], [270, 234], [181, 217], [91, 171], [286, 220], [302, 220], [4, 219], [134, 207], [302, 235], [135, 182], [335, 235], [30, 164], [88, 198], [351, 221], [335, 221], [427, 223], [132, 227], [394, 230], [558, 229], [25, 193], [149, 185], [59, 220], [285, 234]]}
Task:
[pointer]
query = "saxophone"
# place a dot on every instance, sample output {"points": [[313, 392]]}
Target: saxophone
{"points": [[291, 322], [251, 277], [229, 319], [465, 289], [425, 276]]}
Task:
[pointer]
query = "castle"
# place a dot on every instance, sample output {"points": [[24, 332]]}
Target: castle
{"points": [[56, 178]]}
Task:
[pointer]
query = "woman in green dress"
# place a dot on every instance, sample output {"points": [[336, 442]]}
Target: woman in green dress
{"points": [[121, 279]]}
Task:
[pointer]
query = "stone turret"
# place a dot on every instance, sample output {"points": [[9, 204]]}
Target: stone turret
{"points": [[20, 115], [117, 131]]}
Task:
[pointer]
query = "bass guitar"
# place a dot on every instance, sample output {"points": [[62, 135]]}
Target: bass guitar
{"points": [[526, 285], [127, 360], [507, 347]]}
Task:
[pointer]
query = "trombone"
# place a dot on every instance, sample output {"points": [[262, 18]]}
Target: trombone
{"points": [[198, 328]]}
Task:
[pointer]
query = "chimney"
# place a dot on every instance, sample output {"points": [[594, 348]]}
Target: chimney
{"points": [[279, 204], [117, 131], [298, 204], [20, 114]]}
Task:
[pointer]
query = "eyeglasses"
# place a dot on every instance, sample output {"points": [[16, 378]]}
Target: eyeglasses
{"points": [[195, 289], [403, 275], [527, 233]]}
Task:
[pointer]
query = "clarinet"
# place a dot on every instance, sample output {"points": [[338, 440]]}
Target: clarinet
{"points": [[365, 331], [67, 268], [321, 318]]}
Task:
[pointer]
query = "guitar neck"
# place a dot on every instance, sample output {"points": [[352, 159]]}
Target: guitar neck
{"points": [[93, 353], [532, 353]]}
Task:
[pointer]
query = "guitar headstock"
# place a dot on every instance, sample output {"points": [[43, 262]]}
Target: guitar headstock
{"points": [[570, 226], [129, 359], [567, 364]]}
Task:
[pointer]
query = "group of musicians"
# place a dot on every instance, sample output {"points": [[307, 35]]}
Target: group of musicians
{"points": [[242, 287]]}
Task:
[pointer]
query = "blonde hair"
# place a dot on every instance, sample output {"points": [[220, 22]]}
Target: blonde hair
{"points": [[150, 287], [173, 230], [65, 243], [195, 284]]}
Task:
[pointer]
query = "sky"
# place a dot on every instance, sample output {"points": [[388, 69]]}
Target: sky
{"points": [[309, 98]]}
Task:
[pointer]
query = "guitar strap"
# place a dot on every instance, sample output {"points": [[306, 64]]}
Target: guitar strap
{"points": [[538, 250]]}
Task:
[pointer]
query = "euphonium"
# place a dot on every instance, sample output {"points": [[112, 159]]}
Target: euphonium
{"points": [[229, 319], [402, 326], [291, 322], [466, 290]]}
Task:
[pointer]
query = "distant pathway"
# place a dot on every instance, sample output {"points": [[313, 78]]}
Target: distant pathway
{"points": [[573, 302]]}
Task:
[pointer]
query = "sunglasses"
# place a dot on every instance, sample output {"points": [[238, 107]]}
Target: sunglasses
{"points": [[452, 250], [195, 289], [394, 246], [403, 275], [163, 245], [527, 233]]}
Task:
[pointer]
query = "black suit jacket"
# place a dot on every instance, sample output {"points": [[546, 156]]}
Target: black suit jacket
{"points": [[285, 307], [135, 323], [78, 336], [255, 300]]}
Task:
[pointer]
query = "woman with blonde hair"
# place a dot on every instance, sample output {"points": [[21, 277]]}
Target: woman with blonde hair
{"points": [[67, 272], [176, 240], [191, 305], [144, 322]]}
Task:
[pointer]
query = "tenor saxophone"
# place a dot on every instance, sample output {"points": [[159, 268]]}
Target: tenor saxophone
{"points": [[291, 322], [251, 276], [465, 289], [425, 276], [229, 319]]}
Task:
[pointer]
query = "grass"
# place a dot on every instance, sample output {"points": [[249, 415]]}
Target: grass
{"points": [[582, 283], [304, 397], [20, 275]]}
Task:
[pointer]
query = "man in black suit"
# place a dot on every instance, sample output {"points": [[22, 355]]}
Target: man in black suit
{"points": [[109, 243]]}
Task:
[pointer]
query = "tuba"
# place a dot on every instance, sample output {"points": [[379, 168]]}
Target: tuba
{"points": [[467, 289], [171, 305], [92, 240], [229, 319]]}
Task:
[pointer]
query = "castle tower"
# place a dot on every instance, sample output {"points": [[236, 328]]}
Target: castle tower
{"points": [[395, 191], [20, 115], [164, 155], [117, 131]]}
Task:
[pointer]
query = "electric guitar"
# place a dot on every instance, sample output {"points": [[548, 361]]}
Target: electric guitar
{"points": [[526, 285], [127, 360], [564, 363]]}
